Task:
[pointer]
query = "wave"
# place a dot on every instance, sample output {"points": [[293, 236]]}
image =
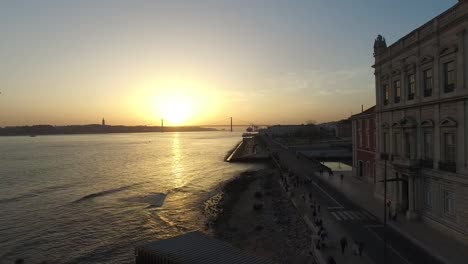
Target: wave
{"points": [[35, 193], [182, 189], [154, 199], [18, 198], [106, 192]]}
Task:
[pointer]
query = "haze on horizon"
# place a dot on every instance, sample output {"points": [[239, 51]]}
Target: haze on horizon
{"points": [[194, 62]]}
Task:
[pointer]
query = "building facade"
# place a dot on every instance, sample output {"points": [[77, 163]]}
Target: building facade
{"points": [[422, 115], [364, 141]]}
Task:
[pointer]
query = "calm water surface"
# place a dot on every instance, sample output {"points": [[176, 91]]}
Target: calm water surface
{"points": [[93, 198]]}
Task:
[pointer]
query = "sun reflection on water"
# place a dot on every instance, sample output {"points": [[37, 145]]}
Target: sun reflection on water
{"points": [[177, 168]]}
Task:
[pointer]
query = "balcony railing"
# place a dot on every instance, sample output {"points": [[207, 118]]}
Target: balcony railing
{"points": [[385, 102], [384, 156], [448, 166], [397, 100], [427, 93], [411, 96], [449, 88], [427, 163], [405, 161]]}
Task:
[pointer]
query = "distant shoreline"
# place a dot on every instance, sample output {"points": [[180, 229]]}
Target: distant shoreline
{"points": [[48, 130]]}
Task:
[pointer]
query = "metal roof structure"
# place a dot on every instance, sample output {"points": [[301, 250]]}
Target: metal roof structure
{"points": [[194, 247]]}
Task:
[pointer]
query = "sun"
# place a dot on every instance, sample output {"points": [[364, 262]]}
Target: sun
{"points": [[175, 110]]}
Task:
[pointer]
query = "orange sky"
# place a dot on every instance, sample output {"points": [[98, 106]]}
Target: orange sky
{"points": [[192, 62]]}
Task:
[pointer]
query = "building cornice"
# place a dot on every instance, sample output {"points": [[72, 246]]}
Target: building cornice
{"points": [[366, 150], [363, 116], [422, 104], [421, 35]]}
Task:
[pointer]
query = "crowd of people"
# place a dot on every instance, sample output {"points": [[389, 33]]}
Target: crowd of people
{"points": [[291, 183]]}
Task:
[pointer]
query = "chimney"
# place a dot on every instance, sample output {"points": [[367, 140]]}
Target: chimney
{"points": [[362, 108]]}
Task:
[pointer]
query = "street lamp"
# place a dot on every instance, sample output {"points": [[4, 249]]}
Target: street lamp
{"points": [[384, 156]]}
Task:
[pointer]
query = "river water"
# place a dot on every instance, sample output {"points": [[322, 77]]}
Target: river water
{"points": [[93, 198]]}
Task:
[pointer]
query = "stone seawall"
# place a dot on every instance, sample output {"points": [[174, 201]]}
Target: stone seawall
{"points": [[250, 149]]}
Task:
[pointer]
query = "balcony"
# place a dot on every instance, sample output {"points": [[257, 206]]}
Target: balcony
{"points": [[405, 162], [449, 88], [397, 100], [429, 164], [449, 166], [385, 102], [427, 93], [384, 156], [411, 96]]}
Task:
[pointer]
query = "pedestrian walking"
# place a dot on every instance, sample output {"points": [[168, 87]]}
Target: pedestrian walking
{"points": [[360, 248], [390, 213], [389, 205], [341, 176], [318, 208], [344, 244], [324, 234], [320, 230], [355, 248], [395, 216]]}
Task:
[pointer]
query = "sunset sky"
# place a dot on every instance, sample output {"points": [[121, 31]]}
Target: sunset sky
{"points": [[194, 62]]}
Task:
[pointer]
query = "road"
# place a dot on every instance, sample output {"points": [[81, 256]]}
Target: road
{"points": [[357, 222]]}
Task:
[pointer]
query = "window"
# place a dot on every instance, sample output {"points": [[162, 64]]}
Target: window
{"points": [[368, 135], [385, 94], [359, 138], [397, 89], [449, 202], [449, 77], [427, 74], [428, 195], [385, 142], [428, 146], [449, 140], [408, 145], [396, 144], [411, 86]]}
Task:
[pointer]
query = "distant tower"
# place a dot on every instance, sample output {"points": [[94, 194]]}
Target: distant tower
{"points": [[103, 122]]}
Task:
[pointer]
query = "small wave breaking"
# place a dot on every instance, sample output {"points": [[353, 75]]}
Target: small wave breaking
{"points": [[154, 199], [106, 192]]}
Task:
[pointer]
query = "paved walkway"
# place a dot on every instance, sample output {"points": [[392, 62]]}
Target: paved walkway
{"points": [[434, 242], [299, 197]]}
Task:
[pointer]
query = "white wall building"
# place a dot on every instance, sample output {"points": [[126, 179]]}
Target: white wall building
{"points": [[422, 121]]}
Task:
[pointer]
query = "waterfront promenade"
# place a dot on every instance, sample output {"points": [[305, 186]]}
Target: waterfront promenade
{"points": [[347, 199]]}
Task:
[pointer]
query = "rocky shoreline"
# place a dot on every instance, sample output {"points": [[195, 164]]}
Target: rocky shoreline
{"points": [[253, 213]]}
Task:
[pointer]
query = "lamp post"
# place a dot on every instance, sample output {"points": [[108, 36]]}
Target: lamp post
{"points": [[384, 156]]}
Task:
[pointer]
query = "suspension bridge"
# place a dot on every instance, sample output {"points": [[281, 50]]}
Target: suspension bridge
{"points": [[227, 122]]}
